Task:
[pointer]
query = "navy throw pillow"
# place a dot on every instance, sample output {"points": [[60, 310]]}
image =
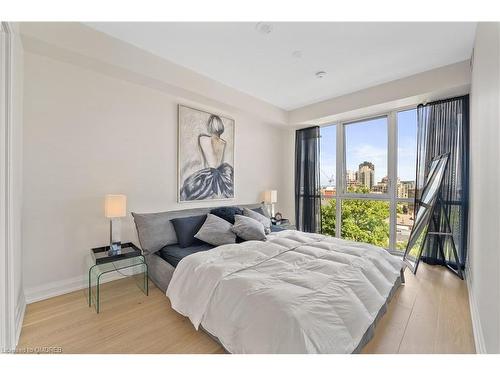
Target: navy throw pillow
{"points": [[186, 227], [227, 213]]}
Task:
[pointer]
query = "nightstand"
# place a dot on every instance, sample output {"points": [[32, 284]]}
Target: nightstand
{"points": [[101, 264], [283, 224]]}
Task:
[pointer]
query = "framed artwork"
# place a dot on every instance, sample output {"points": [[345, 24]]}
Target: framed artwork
{"points": [[205, 156]]}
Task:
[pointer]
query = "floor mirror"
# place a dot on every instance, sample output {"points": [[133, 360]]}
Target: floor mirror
{"points": [[428, 204]]}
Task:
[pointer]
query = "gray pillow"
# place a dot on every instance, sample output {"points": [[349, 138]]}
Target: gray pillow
{"points": [[216, 231], [154, 231], [265, 221], [260, 210], [248, 228]]}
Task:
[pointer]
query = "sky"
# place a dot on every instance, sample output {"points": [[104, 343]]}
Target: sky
{"points": [[367, 141]]}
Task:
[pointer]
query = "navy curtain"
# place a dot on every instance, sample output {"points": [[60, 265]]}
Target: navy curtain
{"points": [[443, 126], [307, 188]]}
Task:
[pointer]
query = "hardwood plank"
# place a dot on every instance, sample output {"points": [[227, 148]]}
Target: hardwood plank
{"points": [[420, 332], [430, 314], [454, 328], [389, 331]]}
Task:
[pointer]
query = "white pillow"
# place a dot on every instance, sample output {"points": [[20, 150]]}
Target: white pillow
{"points": [[265, 221], [216, 231]]}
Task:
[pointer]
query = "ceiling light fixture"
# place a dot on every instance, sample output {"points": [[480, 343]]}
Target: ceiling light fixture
{"points": [[264, 27], [320, 74]]}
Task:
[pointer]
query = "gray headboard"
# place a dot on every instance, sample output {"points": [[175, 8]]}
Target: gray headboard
{"points": [[156, 231]]}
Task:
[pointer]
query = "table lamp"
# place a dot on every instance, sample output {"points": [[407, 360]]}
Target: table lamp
{"points": [[115, 207], [271, 197]]}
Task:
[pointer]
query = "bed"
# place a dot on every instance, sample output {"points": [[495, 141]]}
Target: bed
{"points": [[156, 232], [294, 293]]}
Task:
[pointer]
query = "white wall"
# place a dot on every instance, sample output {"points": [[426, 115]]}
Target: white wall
{"points": [[88, 134], [484, 250]]}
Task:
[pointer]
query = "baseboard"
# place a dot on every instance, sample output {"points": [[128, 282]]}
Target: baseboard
{"points": [[20, 310], [57, 288], [474, 313]]}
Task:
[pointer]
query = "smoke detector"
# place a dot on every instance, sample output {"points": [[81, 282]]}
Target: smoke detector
{"points": [[264, 27], [297, 54], [320, 74]]}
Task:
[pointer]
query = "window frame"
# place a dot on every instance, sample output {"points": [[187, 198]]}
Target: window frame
{"points": [[341, 193]]}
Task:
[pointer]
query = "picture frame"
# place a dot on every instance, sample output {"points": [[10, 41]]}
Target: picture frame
{"points": [[205, 156]]}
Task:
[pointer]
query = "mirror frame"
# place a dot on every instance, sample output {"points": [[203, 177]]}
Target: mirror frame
{"points": [[437, 169]]}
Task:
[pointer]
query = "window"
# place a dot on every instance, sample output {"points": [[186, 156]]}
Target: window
{"points": [[366, 157], [328, 171], [369, 155], [366, 220], [328, 160], [407, 153], [407, 169], [404, 223]]}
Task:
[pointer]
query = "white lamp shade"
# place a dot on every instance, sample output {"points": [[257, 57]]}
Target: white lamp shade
{"points": [[115, 205], [271, 196]]}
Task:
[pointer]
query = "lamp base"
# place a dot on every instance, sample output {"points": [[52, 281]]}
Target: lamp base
{"points": [[115, 244], [269, 207]]}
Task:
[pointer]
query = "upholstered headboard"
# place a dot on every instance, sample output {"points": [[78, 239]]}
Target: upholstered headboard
{"points": [[155, 230]]}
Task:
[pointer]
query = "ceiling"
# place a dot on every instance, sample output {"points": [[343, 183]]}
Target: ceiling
{"points": [[280, 67]]}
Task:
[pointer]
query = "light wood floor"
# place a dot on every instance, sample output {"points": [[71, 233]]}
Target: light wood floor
{"points": [[430, 314]]}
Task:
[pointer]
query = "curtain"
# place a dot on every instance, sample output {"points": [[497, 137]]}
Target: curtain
{"points": [[443, 127], [307, 188]]}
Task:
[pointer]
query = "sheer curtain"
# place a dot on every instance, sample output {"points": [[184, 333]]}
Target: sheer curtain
{"points": [[307, 188], [443, 126]]}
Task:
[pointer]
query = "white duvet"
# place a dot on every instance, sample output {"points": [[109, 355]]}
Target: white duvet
{"points": [[295, 293]]}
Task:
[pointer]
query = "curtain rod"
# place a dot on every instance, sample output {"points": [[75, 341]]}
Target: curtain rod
{"points": [[309, 128], [441, 101]]}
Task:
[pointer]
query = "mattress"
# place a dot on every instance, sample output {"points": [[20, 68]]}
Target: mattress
{"points": [[173, 254], [295, 293]]}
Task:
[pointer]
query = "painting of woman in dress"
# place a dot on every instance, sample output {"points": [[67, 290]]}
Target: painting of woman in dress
{"points": [[206, 155]]}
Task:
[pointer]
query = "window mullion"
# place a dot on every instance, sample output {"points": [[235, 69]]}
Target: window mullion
{"points": [[339, 181], [393, 178]]}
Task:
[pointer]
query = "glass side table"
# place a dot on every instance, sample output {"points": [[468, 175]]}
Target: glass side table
{"points": [[134, 264]]}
